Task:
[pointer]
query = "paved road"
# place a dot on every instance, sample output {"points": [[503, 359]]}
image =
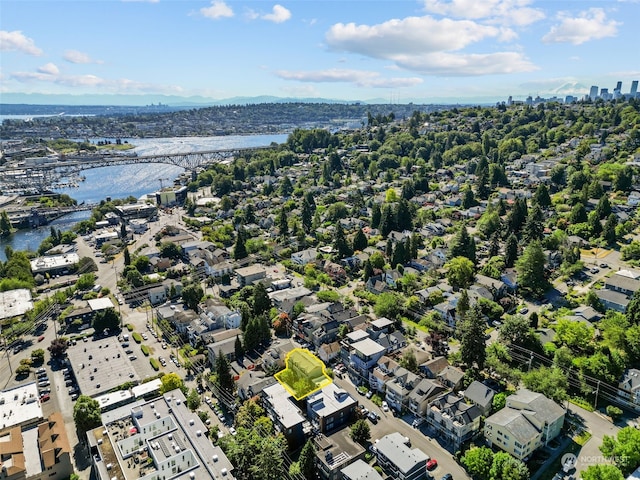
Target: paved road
{"points": [[389, 424]]}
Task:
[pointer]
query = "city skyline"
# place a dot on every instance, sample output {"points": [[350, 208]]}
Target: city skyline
{"points": [[421, 51]]}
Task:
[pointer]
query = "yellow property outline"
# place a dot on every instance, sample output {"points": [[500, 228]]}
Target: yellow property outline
{"points": [[300, 363]]}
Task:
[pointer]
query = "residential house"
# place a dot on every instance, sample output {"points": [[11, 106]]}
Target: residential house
{"points": [[222, 342], [399, 461], [528, 421], [451, 377], [622, 284], [326, 333], [304, 256], [287, 417], [422, 394], [337, 273], [222, 315], [399, 388], [376, 284], [453, 420], [328, 351], [432, 368], [330, 408], [252, 382], [629, 386], [157, 295], [612, 300], [497, 288], [363, 357], [250, 275], [336, 452], [382, 373], [481, 396]]}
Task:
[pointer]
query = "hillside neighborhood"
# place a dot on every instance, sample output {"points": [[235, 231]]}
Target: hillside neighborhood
{"points": [[468, 277]]}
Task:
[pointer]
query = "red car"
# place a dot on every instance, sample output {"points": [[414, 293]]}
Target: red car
{"points": [[41, 338], [45, 397], [431, 464]]}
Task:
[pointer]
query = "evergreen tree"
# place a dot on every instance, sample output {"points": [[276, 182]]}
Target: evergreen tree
{"points": [[388, 251], [283, 225], [468, 199], [462, 245], [307, 461], [404, 217], [340, 242], [463, 305], [387, 220], [261, 300], [414, 245], [237, 347], [240, 249], [604, 207], [541, 197], [470, 332], [595, 189], [530, 269], [482, 184], [609, 231], [517, 216], [399, 256], [127, 257], [594, 224], [306, 215], [376, 216], [368, 271], [624, 180], [534, 228], [511, 251], [223, 372], [360, 241], [5, 224], [123, 231], [578, 214], [494, 244]]}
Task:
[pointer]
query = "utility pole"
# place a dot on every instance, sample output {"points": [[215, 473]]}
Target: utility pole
{"points": [[595, 403]]}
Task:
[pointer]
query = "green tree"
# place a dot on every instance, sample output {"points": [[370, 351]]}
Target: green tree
{"points": [[623, 449], [307, 461], [340, 242], [106, 319], [541, 197], [223, 372], [408, 360], [127, 257], [530, 269], [170, 250], [360, 431], [602, 472], [511, 251], [609, 230], [360, 241], [240, 248], [306, 214], [388, 304], [86, 414], [462, 245], [506, 467], [261, 300], [191, 295], [86, 281], [5, 224], [478, 461], [171, 381], [58, 347], [516, 330], [534, 226], [459, 272], [463, 305], [193, 400], [551, 382], [470, 332], [238, 348]]}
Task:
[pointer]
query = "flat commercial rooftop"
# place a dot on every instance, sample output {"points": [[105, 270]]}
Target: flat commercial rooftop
{"points": [[15, 302], [20, 406], [101, 365]]}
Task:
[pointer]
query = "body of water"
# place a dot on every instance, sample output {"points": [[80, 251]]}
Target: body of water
{"points": [[135, 180]]}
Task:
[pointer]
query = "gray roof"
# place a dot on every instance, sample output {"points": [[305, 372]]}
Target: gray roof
{"points": [[630, 380], [517, 424], [404, 458], [612, 296], [479, 394], [622, 282], [455, 406], [545, 409], [368, 347], [360, 470]]}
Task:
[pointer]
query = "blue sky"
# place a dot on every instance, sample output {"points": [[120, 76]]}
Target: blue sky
{"points": [[420, 51]]}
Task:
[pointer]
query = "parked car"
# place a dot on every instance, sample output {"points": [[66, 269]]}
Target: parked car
{"points": [[232, 431], [524, 310], [369, 394], [373, 417], [44, 383], [41, 370], [44, 397], [432, 464], [385, 406], [447, 476]]}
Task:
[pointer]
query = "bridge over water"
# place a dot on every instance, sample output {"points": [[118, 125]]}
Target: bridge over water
{"points": [[44, 175]]}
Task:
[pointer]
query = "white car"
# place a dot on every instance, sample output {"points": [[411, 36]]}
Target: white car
{"points": [[385, 406], [232, 431]]}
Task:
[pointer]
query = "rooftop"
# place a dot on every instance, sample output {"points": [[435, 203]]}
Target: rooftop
{"points": [[288, 414], [101, 365], [368, 347], [15, 302], [393, 447], [20, 406]]}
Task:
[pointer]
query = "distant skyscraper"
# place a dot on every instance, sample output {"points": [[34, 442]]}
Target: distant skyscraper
{"points": [[634, 88], [604, 93], [619, 86], [593, 93]]}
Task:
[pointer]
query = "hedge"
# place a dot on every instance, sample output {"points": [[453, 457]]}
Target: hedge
{"points": [[136, 337], [154, 364], [145, 350]]}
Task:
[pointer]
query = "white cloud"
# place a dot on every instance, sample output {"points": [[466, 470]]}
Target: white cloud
{"points": [[360, 78], [279, 14], [16, 42], [505, 12], [74, 56], [146, 1], [218, 9], [590, 24], [417, 35], [49, 74], [469, 64], [49, 69], [426, 45]]}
